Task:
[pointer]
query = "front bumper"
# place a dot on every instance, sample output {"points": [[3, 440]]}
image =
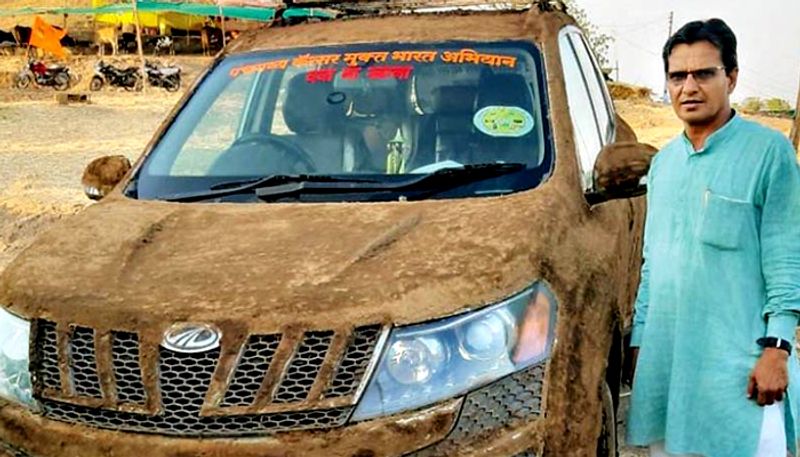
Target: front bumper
{"points": [[501, 419]]}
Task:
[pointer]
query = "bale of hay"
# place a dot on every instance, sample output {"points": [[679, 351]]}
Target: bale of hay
{"points": [[623, 91]]}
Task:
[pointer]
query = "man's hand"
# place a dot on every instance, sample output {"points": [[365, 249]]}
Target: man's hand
{"points": [[769, 378]]}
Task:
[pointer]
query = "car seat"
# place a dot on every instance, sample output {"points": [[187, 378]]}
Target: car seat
{"points": [[507, 90], [448, 132], [315, 116]]}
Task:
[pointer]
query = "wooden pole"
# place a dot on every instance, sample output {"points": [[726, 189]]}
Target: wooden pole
{"points": [[665, 97], [139, 44], [795, 134], [222, 26]]}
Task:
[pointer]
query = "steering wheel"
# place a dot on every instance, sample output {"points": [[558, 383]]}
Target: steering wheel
{"points": [[247, 154]]}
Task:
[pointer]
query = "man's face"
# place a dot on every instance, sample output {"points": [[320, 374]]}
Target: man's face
{"points": [[699, 99]]}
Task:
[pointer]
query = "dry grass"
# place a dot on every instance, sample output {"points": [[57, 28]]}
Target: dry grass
{"points": [[656, 123], [623, 91]]}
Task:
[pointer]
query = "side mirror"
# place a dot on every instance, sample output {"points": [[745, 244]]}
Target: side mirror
{"points": [[619, 171], [103, 174]]}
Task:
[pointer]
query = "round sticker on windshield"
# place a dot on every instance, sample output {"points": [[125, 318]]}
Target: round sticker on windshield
{"points": [[503, 121]]}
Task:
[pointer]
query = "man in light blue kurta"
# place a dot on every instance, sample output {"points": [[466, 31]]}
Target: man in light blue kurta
{"points": [[721, 271]]}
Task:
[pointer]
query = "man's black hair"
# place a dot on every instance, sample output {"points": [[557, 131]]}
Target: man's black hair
{"points": [[715, 31]]}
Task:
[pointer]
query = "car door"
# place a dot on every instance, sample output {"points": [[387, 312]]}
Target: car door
{"points": [[595, 125]]}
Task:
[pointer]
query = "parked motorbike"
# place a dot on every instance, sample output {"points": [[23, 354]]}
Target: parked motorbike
{"points": [[128, 78], [40, 74], [166, 76]]}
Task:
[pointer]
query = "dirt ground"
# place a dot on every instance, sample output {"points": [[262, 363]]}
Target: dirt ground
{"points": [[656, 124], [46, 146]]}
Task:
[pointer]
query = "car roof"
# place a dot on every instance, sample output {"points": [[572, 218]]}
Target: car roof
{"points": [[433, 21]]}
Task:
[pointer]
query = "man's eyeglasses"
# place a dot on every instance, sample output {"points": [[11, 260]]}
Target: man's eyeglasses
{"points": [[701, 75]]}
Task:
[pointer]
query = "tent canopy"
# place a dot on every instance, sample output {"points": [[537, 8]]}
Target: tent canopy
{"points": [[187, 8]]}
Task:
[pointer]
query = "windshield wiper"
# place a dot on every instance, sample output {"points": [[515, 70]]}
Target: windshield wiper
{"points": [[228, 188], [435, 182], [275, 186]]}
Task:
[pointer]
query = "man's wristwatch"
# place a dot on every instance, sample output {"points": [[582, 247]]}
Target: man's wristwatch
{"points": [[772, 342]]}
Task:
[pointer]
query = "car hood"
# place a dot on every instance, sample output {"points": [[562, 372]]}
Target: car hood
{"points": [[127, 264]]}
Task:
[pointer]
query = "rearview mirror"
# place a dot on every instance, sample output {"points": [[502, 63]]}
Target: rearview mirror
{"points": [[103, 174], [619, 171]]}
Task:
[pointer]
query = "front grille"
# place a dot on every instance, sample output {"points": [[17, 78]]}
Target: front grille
{"points": [[304, 367], [185, 381], [48, 356], [6, 450], [181, 423], [251, 370], [84, 363], [354, 363], [128, 374], [509, 401]]}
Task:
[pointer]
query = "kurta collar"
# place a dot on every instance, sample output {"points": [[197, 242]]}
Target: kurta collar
{"points": [[719, 135]]}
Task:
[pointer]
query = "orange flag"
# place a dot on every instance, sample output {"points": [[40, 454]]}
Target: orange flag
{"points": [[47, 37]]}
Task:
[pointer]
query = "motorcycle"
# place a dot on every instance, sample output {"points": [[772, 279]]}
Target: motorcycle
{"points": [[166, 76], [128, 78], [36, 72]]}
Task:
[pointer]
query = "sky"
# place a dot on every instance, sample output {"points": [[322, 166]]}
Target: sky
{"points": [[767, 31]]}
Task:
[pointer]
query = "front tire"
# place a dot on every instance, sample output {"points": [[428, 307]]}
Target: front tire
{"points": [[24, 81], [607, 442], [96, 84]]}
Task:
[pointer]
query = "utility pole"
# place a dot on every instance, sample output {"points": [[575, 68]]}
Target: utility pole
{"points": [[795, 134], [665, 97], [139, 44]]}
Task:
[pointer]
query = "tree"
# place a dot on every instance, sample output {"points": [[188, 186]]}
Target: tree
{"points": [[751, 105], [600, 42], [777, 104]]}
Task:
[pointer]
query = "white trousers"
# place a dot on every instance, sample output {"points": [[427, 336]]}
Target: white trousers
{"points": [[771, 443]]}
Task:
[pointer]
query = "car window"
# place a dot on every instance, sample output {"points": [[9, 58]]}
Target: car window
{"points": [[216, 130], [588, 141], [597, 88], [383, 110]]}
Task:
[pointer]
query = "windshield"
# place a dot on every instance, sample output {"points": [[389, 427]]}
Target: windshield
{"points": [[370, 114]]}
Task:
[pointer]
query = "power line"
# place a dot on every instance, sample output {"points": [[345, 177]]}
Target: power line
{"points": [[769, 81], [635, 24], [639, 47]]}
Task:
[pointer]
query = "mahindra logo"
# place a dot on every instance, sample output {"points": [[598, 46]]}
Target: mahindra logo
{"points": [[191, 338]]}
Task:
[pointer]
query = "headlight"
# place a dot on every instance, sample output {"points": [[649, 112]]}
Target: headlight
{"points": [[15, 377], [426, 363]]}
